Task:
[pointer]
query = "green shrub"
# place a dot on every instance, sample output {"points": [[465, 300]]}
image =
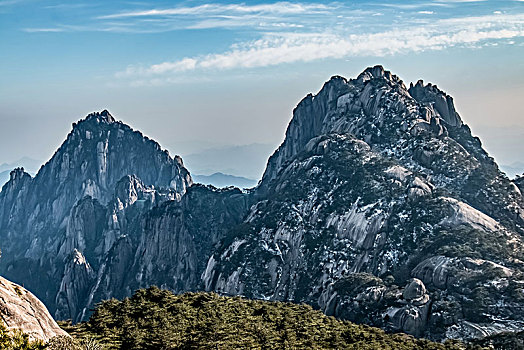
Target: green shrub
{"points": [[17, 340], [157, 319]]}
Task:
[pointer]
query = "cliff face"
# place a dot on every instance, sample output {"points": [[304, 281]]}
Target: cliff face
{"points": [[168, 246], [379, 207], [19, 309]]}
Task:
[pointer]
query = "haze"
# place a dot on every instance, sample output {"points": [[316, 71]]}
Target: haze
{"points": [[199, 75]]}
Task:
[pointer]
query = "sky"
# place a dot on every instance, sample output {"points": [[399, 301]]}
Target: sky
{"points": [[200, 75]]}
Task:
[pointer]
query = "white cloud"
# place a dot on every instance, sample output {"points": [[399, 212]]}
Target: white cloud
{"points": [[43, 30], [281, 48], [426, 12], [415, 6], [283, 15], [461, 1], [9, 2], [214, 9]]}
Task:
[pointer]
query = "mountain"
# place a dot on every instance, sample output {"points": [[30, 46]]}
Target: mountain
{"points": [[379, 207], [21, 310], [224, 180], [42, 219]]}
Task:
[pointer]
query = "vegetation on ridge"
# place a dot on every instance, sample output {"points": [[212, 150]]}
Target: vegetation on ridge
{"points": [[17, 340], [157, 319]]}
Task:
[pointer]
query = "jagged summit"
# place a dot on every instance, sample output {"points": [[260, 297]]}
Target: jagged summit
{"points": [[18, 179], [101, 116], [95, 122], [18, 173], [113, 145], [437, 99], [96, 118], [419, 128], [97, 153], [378, 72]]}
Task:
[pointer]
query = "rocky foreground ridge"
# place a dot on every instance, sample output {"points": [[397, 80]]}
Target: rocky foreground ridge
{"points": [[21, 310], [379, 207]]}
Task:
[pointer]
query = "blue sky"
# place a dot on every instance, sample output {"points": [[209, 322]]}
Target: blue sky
{"points": [[196, 74]]}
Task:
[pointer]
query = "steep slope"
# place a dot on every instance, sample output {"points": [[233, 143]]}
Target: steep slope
{"points": [[418, 127], [169, 247], [375, 185], [38, 230], [19, 309]]}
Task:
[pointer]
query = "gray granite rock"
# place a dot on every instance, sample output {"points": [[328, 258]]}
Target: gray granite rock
{"points": [[379, 207], [20, 309]]}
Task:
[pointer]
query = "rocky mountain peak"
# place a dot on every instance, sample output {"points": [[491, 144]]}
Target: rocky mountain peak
{"points": [[104, 150], [18, 182], [442, 103], [376, 107], [378, 72], [101, 117], [18, 174], [417, 127], [102, 162]]}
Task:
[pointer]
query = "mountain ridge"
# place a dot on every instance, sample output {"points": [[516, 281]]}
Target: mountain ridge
{"points": [[219, 179], [378, 207], [21, 310], [34, 212]]}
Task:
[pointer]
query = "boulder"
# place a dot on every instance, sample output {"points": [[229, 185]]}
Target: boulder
{"points": [[20, 309]]}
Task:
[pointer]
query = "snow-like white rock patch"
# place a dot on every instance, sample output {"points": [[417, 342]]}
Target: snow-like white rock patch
{"points": [[465, 214]]}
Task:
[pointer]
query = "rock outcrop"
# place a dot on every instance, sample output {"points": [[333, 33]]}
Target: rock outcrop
{"points": [[19, 309]]}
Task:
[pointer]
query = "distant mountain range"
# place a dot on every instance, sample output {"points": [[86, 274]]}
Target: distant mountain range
{"points": [[245, 161], [379, 207], [30, 165], [216, 179], [224, 180], [514, 169]]}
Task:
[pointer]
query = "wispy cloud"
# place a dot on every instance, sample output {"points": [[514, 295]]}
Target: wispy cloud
{"points": [[69, 6], [9, 2], [283, 15], [43, 30], [215, 9], [458, 1], [289, 32], [282, 48], [278, 15], [414, 6]]}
